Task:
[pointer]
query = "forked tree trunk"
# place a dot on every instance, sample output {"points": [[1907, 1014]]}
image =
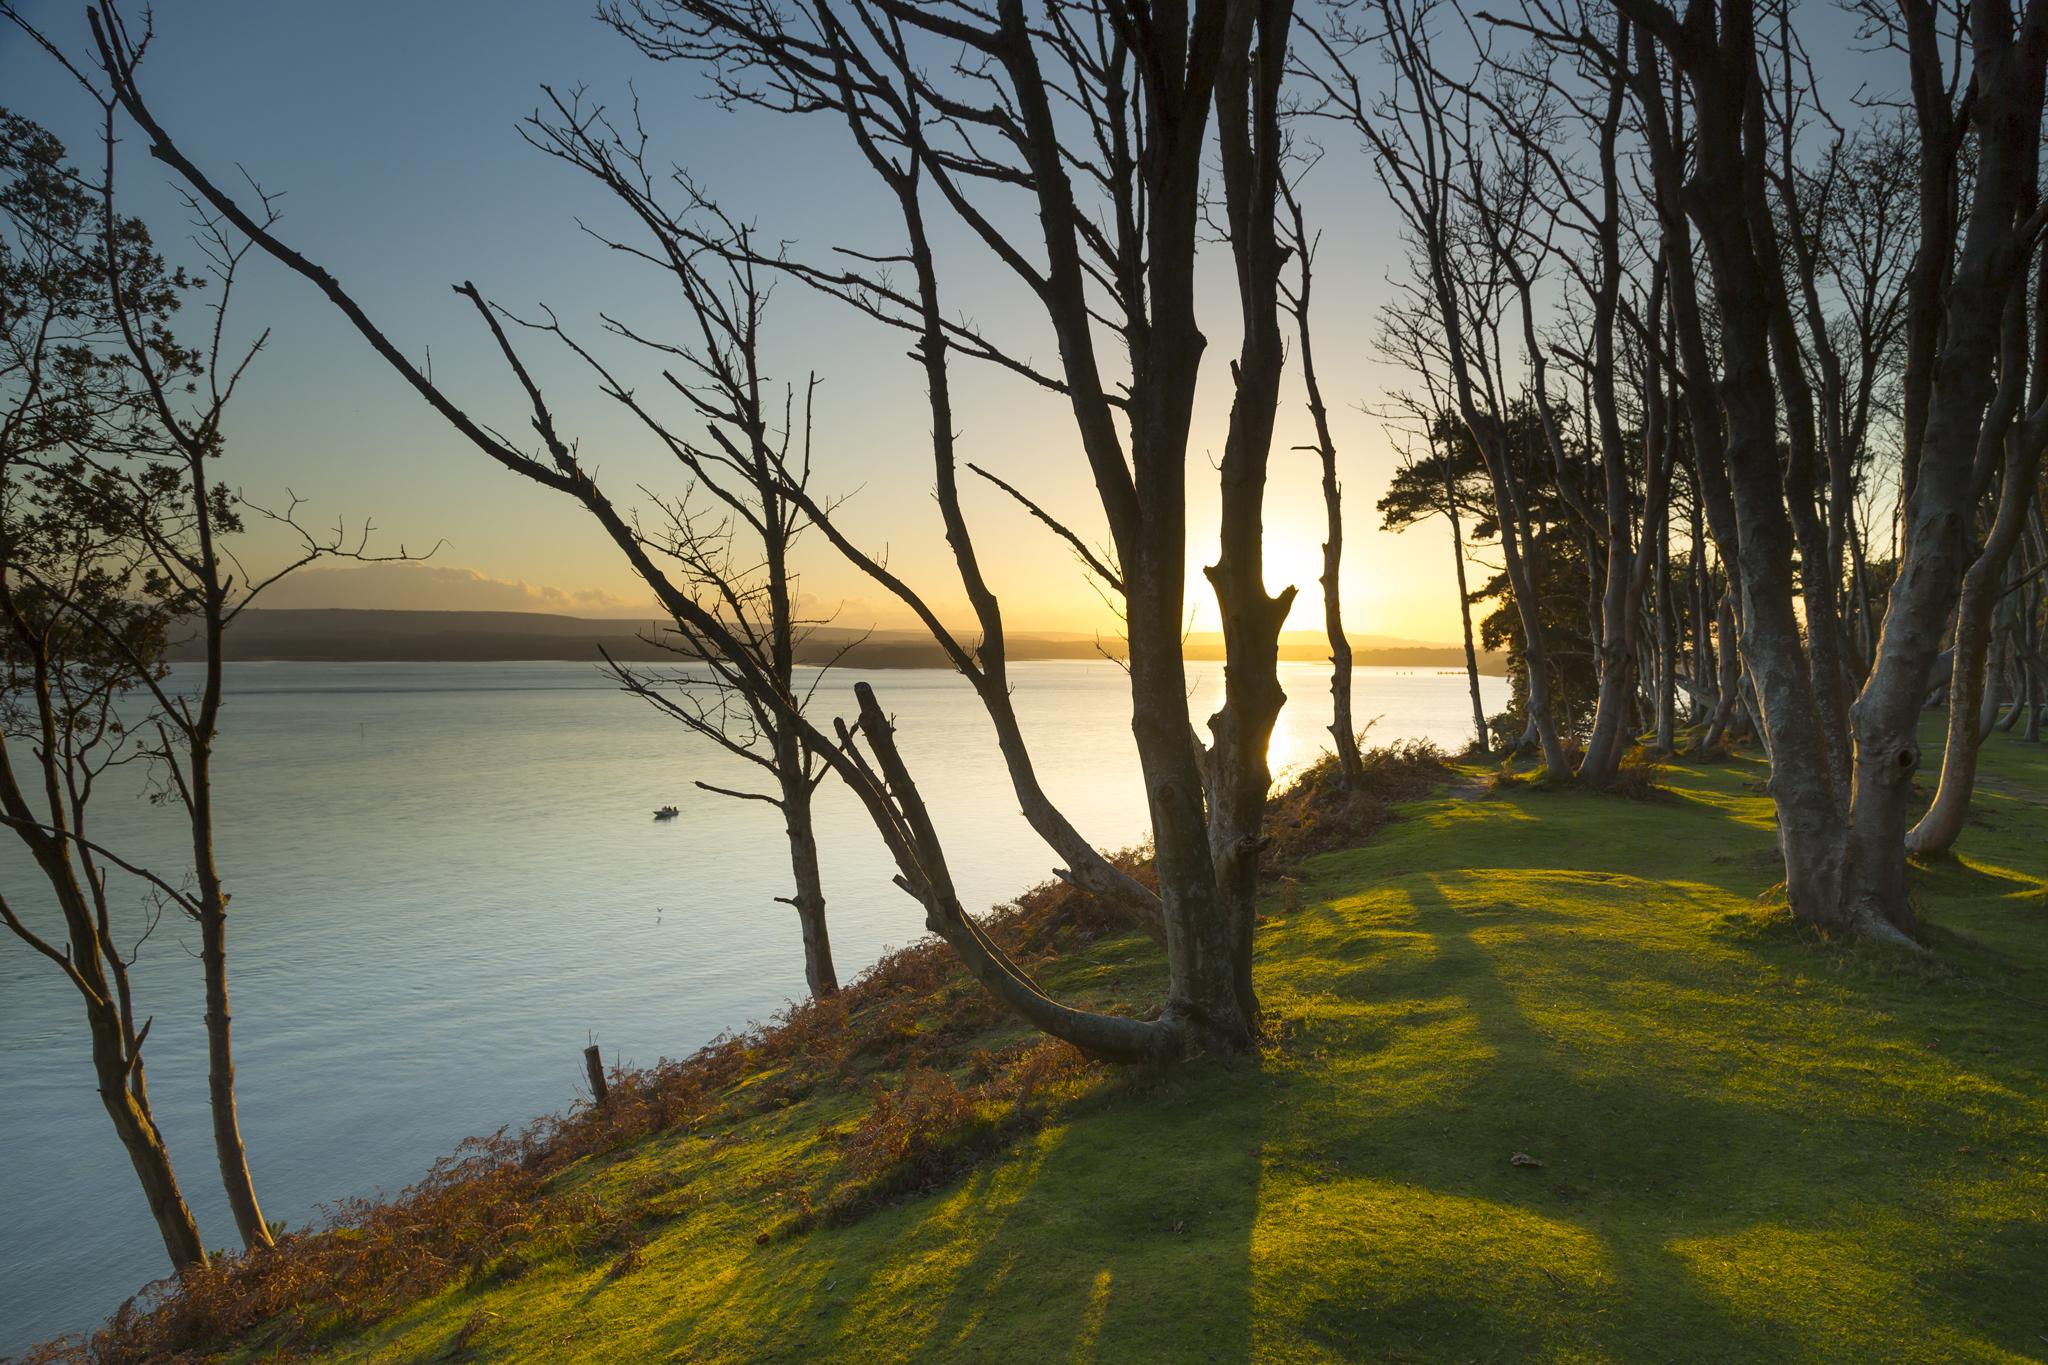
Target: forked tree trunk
{"points": [[1251, 64]]}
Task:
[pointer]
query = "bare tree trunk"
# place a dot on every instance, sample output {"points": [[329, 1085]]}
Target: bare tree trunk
{"points": [[798, 790], [1970, 692], [220, 1087], [116, 1047], [1994, 687], [1464, 607], [906, 826], [1866, 623], [1667, 646], [2031, 697], [1343, 729], [135, 1125], [1971, 405], [212, 908], [1247, 96], [1626, 571], [1810, 809], [151, 1161], [1729, 655], [1702, 616]]}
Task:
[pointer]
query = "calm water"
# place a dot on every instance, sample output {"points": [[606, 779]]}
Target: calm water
{"points": [[446, 880]]}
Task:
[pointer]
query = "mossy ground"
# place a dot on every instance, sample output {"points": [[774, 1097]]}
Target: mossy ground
{"points": [[1743, 1142]]}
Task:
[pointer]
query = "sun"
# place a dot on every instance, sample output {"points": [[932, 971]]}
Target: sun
{"points": [[1293, 558]]}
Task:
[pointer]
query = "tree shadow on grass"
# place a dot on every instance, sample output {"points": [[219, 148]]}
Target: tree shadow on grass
{"points": [[1427, 1241], [1675, 1173], [1726, 1159], [1117, 1229]]}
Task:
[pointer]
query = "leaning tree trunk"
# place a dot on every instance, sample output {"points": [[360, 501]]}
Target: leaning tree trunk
{"points": [[1976, 609], [136, 1126], [115, 1061], [901, 818], [1968, 403]]}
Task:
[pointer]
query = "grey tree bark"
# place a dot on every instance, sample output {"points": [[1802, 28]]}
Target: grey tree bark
{"points": [[1973, 696]]}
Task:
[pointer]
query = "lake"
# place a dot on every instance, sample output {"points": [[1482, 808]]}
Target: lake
{"points": [[446, 881]]}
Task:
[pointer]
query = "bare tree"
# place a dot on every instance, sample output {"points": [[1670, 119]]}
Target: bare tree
{"points": [[1140, 94], [1295, 237], [1153, 87], [1843, 833], [1450, 323], [732, 532], [582, 136]]}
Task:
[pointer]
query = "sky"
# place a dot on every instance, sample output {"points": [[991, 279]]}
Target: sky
{"points": [[390, 128]]}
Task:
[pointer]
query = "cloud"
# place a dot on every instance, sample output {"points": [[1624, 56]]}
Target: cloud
{"points": [[440, 587]]}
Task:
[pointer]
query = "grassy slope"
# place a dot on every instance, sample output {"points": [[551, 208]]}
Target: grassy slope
{"points": [[1754, 1145]]}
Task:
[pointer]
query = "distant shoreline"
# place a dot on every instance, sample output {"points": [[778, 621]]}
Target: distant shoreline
{"points": [[344, 635]]}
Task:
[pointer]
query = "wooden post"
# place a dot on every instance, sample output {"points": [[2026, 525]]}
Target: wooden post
{"points": [[593, 1063]]}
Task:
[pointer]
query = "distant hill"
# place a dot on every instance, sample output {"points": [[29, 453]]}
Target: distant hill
{"points": [[347, 635]]}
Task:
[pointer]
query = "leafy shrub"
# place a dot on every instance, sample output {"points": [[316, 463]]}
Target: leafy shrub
{"points": [[1317, 812]]}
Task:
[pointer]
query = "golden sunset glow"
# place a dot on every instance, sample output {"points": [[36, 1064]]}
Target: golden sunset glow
{"points": [[642, 578]]}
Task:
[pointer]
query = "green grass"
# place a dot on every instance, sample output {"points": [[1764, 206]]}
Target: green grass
{"points": [[1753, 1145]]}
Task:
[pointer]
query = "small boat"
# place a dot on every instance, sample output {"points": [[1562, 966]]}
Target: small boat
{"points": [[667, 813]]}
